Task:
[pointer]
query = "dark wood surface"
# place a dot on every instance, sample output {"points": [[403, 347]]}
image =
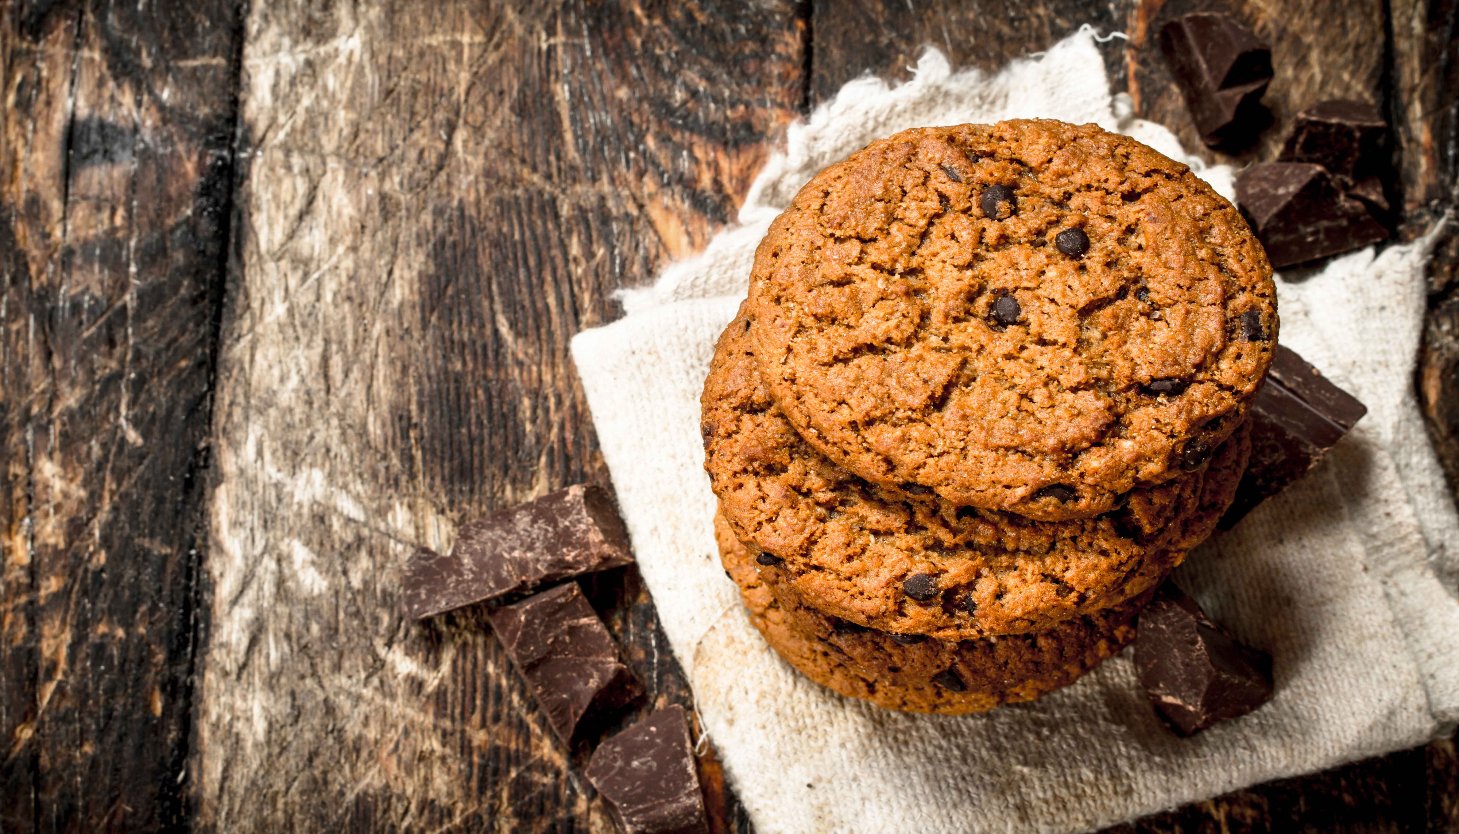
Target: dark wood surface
{"points": [[287, 289]]}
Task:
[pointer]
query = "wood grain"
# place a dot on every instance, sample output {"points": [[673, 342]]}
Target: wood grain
{"points": [[884, 37], [431, 204], [114, 201], [435, 203]]}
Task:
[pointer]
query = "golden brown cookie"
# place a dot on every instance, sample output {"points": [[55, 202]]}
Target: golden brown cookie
{"points": [[917, 674], [913, 563], [1031, 316]]}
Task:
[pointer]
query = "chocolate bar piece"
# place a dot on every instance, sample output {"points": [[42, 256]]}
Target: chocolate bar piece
{"points": [[568, 658], [1343, 136], [1296, 417], [1195, 673], [648, 777], [558, 536], [1222, 69], [1299, 215]]}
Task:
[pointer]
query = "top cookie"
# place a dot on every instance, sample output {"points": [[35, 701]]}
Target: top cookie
{"points": [[911, 563], [1030, 316]]}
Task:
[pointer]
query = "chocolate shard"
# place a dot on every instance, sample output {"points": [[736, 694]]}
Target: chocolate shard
{"points": [[648, 777], [558, 536], [1195, 673], [1222, 69], [1344, 136], [1369, 190], [567, 657], [1299, 215], [1296, 417]]}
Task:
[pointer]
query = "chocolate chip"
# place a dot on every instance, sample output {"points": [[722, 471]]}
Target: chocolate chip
{"points": [[1195, 453], [1251, 327], [970, 604], [1143, 294], [1194, 672], [948, 679], [908, 639], [1006, 310], [768, 560], [1062, 493], [1072, 242], [952, 173], [1126, 526], [840, 626], [998, 202], [920, 586], [1167, 385]]}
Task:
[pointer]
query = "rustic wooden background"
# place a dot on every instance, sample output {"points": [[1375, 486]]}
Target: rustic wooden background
{"points": [[287, 288]]}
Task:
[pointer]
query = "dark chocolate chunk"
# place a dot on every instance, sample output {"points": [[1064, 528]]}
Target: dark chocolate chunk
{"points": [[970, 604], [1058, 492], [1169, 385], [920, 586], [767, 559], [1222, 69], [908, 639], [998, 202], [1296, 417], [950, 680], [1369, 191], [1343, 136], [567, 657], [1072, 242], [558, 536], [1142, 294], [1195, 673], [952, 173], [1299, 215], [648, 776], [1252, 329], [1006, 310]]}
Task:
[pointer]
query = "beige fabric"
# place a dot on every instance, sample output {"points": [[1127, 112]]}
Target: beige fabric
{"points": [[1339, 576]]}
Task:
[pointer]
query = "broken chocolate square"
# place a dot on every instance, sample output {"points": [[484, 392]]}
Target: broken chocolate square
{"points": [[1343, 136], [648, 776], [1296, 417], [558, 536], [1299, 215], [567, 657], [1195, 673], [1222, 69]]}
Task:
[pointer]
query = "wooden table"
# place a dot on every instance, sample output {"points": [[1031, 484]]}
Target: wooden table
{"points": [[288, 288]]}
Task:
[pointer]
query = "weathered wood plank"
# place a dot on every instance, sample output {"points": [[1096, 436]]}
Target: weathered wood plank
{"points": [[436, 202], [1424, 105], [885, 37], [113, 208]]}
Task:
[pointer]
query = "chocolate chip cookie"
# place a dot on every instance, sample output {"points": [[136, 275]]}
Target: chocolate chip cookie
{"points": [[904, 560], [919, 674], [1031, 316]]}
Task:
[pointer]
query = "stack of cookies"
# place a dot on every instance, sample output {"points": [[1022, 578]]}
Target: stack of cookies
{"points": [[988, 388]]}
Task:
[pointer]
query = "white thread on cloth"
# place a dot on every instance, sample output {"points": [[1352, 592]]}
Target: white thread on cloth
{"points": [[1346, 577]]}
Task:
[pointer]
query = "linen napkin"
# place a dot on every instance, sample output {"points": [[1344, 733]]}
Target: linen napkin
{"points": [[1347, 577]]}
